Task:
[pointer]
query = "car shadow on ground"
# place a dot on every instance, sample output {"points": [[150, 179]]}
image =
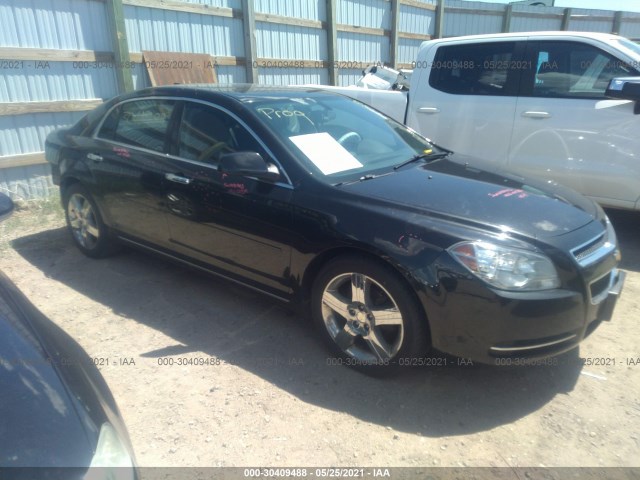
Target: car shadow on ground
{"points": [[205, 315], [627, 225]]}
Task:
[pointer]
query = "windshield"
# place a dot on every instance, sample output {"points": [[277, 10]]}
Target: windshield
{"points": [[339, 139]]}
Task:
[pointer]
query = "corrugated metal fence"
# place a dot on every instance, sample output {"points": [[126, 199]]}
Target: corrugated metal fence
{"points": [[60, 59]]}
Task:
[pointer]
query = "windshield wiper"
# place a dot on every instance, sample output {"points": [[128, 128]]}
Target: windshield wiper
{"points": [[368, 176], [429, 156]]}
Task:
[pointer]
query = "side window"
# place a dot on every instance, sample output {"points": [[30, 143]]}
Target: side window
{"points": [[475, 69], [140, 123], [574, 70], [206, 133]]}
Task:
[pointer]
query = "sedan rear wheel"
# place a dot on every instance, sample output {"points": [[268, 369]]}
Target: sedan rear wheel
{"points": [[87, 229], [368, 313]]}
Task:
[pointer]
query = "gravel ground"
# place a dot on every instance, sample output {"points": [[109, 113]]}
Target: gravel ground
{"points": [[210, 374]]}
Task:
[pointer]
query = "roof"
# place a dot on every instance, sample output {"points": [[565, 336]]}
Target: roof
{"points": [[239, 91], [593, 35]]}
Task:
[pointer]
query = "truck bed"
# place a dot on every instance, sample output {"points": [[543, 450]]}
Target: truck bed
{"points": [[391, 103]]}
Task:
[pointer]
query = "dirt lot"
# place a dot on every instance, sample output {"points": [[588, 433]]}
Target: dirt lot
{"points": [[268, 396]]}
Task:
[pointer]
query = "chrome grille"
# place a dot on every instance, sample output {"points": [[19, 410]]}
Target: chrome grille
{"points": [[593, 250], [589, 248]]}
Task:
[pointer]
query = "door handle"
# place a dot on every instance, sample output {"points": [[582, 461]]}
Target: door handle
{"points": [[533, 114], [429, 110], [94, 157], [177, 178]]}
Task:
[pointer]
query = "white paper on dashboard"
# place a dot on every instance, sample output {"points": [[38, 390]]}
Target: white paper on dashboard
{"points": [[325, 152]]}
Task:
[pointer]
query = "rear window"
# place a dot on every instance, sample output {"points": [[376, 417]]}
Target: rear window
{"points": [[140, 123]]}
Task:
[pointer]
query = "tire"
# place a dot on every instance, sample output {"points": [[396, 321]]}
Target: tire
{"points": [[88, 231], [351, 297]]}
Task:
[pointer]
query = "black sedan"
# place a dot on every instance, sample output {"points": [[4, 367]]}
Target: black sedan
{"points": [[394, 244], [59, 419]]}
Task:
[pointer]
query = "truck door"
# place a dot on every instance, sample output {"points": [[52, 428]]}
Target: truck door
{"points": [[566, 130], [465, 97]]}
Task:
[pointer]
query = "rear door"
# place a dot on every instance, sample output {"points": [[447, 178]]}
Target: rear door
{"points": [[566, 130], [470, 101], [128, 161]]}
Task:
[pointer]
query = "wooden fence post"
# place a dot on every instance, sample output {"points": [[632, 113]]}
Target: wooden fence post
{"points": [[332, 40], [506, 18], [439, 30], [122, 61], [395, 27], [249, 26], [566, 19], [617, 22]]}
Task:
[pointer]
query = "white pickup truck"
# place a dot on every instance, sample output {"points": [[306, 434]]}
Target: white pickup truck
{"points": [[536, 104]]}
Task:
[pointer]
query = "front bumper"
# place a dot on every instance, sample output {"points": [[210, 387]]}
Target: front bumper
{"points": [[599, 311], [470, 320]]}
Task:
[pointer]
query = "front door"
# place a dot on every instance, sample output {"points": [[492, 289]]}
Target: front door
{"points": [[567, 131], [237, 224]]}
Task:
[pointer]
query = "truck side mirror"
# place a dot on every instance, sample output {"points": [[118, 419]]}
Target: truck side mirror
{"points": [[625, 88]]}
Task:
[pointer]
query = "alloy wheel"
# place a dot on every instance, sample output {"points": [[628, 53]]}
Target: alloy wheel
{"points": [[362, 318], [83, 221]]}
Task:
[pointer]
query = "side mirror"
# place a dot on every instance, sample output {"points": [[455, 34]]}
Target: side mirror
{"points": [[248, 164], [624, 88], [6, 207]]}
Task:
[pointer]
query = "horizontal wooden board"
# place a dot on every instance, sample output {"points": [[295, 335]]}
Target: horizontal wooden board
{"points": [[363, 30], [178, 6], [416, 4], [174, 68], [296, 22], [222, 61], [414, 36], [493, 13], [52, 55], [21, 108], [22, 160], [287, 63]]}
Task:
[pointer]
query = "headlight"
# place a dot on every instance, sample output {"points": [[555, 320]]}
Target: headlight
{"points": [[111, 460], [611, 233], [506, 268], [611, 239]]}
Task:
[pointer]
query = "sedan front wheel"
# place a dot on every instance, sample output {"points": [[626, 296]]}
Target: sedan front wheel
{"points": [[368, 314]]}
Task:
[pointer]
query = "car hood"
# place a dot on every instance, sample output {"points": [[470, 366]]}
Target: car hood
{"points": [[41, 425], [462, 189]]}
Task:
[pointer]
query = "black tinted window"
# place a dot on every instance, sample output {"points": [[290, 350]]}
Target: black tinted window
{"points": [[570, 70], [482, 69], [207, 132], [141, 123]]}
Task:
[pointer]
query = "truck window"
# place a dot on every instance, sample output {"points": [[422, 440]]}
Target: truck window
{"points": [[572, 70], [476, 69]]}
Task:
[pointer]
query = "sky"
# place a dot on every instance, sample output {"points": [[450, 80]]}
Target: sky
{"points": [[628, 5]]}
